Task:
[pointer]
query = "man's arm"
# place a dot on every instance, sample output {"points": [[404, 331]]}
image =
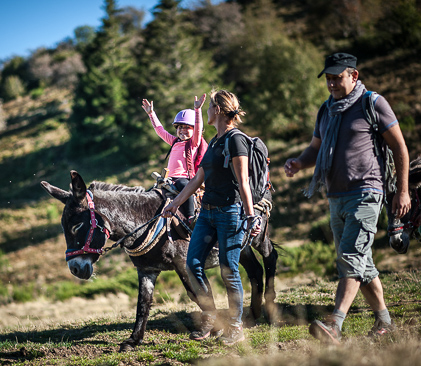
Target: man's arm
{"points": [[307, 159], [401, 201]]}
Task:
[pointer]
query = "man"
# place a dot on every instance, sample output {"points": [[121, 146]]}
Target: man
{"points": [[342, 151]]}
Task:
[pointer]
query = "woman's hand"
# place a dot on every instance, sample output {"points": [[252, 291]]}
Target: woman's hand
{"points": [[254, 225], [198, 103], [148, 107], [169, 210]]}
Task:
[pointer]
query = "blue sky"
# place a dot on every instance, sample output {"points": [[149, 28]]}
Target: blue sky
{"points": [[26, 25]]}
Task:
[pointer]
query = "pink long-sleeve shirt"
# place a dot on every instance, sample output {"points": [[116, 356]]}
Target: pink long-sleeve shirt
{"points": [[177, 163]]}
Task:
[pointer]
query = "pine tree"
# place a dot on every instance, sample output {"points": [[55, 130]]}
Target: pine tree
{"points": [[172, 68], [99, 111]]}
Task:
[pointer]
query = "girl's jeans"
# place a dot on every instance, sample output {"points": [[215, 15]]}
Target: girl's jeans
{"points": [[222, 224]]}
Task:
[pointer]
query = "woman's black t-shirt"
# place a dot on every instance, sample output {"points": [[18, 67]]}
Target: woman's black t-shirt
{"points": [[221, 188]]}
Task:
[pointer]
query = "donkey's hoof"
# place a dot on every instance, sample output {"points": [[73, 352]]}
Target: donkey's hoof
{"points": [[127, 346], [249, 320], [272, 315]]}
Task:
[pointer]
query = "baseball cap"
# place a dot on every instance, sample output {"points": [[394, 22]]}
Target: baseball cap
{"points": [[338, 62]]}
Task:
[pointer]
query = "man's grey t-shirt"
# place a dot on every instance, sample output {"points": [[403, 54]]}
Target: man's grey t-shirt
{"points": [[355, 168]]}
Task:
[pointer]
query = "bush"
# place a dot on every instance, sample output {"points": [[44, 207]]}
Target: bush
{"points": [[36, 93], [3, 124], [13, 87], [316, 257]]}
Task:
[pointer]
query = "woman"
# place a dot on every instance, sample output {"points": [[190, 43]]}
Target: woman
{"points": [[225, 204]]}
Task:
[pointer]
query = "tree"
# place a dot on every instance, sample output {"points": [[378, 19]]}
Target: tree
{"points": [[218, 25], [275, 77], [40, 67], [14, 78], [131, 19], [172, 69], [99, 111], [84, 35]]}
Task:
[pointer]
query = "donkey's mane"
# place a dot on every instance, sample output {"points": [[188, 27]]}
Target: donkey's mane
{"points": [[101, 186]]}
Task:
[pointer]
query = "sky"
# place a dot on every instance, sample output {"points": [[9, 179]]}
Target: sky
{"points": [[26, 25]]}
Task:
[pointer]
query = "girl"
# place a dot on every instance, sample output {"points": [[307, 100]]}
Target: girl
{"points": [[187, 148]]}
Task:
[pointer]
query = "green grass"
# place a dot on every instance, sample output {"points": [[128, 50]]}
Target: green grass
{"points": [[96, 341]]}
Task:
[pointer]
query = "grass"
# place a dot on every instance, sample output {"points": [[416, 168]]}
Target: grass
{"points": [[32, 268], [116, 275], [96, 341]]}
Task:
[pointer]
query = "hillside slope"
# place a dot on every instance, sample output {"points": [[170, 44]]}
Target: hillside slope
{"points": [[34, 147]]}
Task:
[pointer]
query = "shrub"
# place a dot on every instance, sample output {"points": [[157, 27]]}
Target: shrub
{"points": [[13, 87], [316, 257]]}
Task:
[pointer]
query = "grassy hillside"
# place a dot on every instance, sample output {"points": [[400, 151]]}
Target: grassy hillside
{"points": [[34, 147], [38, 295]]}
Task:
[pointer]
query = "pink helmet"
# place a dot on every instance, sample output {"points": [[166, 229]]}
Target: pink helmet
{"points": [[185, 117]]}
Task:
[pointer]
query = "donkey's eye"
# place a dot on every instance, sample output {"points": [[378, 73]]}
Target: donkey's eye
{"points": [[75, 228]]}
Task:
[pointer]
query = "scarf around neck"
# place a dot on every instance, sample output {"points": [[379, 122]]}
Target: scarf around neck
{"points": [[327, 148]]}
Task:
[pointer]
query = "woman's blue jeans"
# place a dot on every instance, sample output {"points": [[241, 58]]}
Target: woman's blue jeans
{"points": [[222, 224]]}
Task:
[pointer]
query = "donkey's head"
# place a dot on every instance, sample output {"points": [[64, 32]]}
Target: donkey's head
{"points": [[401, 230], [84, 229]]}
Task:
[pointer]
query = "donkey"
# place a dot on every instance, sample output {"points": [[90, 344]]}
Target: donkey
{"points": [[401, 231], [104, 210]]}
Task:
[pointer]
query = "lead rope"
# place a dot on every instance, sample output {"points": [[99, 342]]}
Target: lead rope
{"points": [[247, 240], [121, 240], [265, 206]]}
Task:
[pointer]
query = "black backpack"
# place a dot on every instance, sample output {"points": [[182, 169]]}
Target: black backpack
{"points": [[380, 146], [258, 165]]}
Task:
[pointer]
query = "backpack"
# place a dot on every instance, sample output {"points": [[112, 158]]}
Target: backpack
{"points": [[192, 166], [258, 165], [380, 146]]}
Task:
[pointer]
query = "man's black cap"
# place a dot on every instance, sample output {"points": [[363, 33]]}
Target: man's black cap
{"points": [[338, 62]]}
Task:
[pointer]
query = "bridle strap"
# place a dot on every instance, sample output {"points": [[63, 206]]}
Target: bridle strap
{"points": [[94, 224]]}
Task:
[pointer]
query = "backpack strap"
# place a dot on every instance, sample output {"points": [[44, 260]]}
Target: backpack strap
{"points": [[201, 150], [169, 151], [370, 115], [226, 152], [192, 166], [380, 147], [189, 159]]}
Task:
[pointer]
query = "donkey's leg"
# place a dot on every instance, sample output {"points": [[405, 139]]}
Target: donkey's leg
{"points": [[180, 269], [269, 262], [147, 280], [255, 274]]}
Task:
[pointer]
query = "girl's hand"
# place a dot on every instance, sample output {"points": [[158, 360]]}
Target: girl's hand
{"points": [[148, 107], [199, 103]]}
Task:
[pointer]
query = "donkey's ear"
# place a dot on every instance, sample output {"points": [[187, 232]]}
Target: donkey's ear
{"points": [[55, 192], [78, 186], [415, 178]]}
